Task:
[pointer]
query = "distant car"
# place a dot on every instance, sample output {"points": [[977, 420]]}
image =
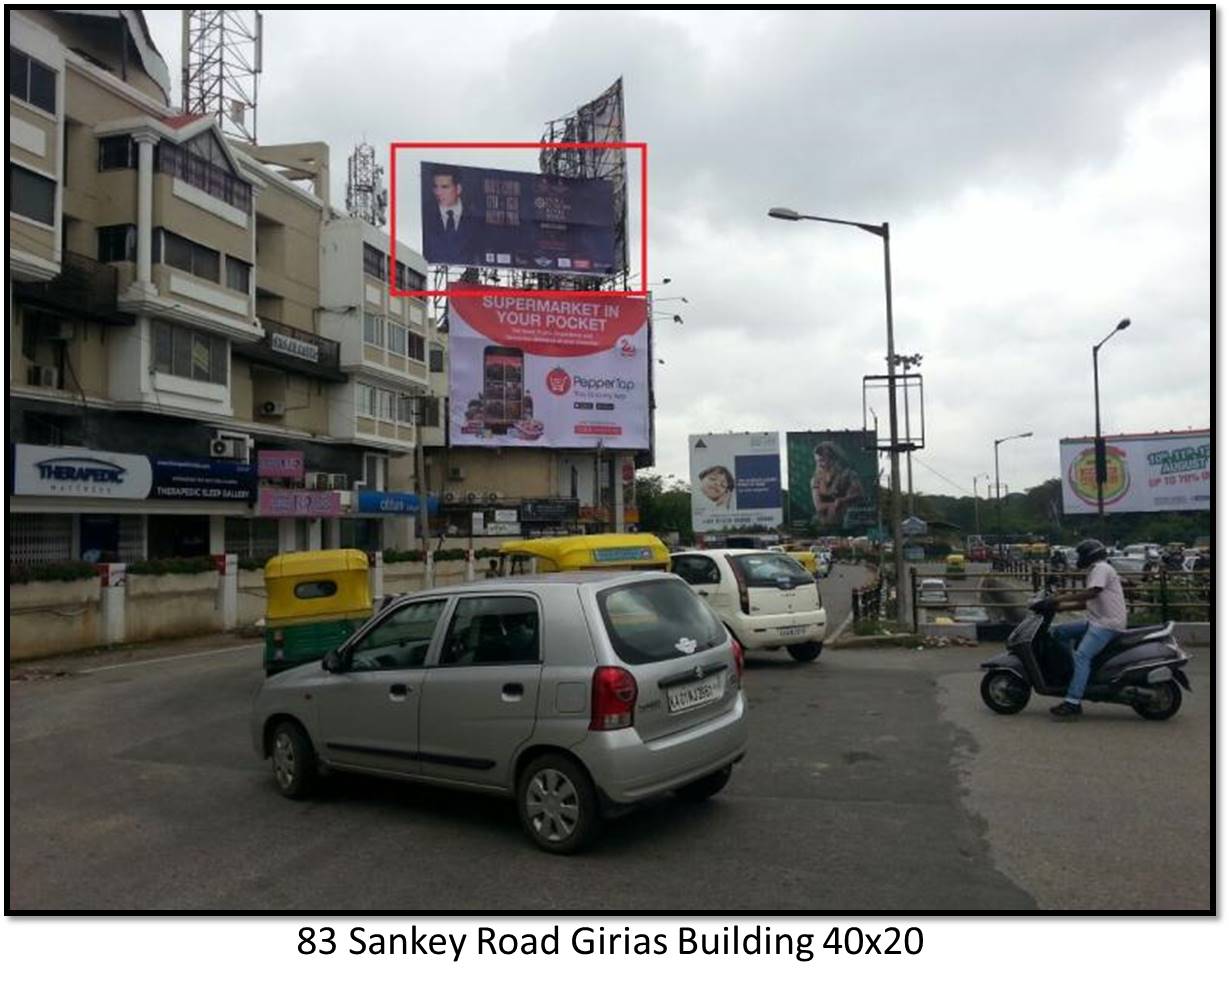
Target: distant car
{"points": [[970, 613], [979, 554], [573, 693], [766, 598], [1130, 563], [932, 591]]}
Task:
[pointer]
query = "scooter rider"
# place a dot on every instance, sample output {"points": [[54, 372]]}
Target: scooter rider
{"points": [[1103, 599]]}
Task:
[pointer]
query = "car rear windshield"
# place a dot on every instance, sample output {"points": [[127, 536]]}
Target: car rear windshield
{"points": [[658, 620], [771, 570]]}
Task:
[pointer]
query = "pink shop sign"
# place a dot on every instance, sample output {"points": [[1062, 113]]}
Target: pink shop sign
{"points": [[295, 502], [280, 464]]}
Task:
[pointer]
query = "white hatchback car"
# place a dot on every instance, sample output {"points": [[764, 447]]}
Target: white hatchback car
{"points": [[766, 598]]}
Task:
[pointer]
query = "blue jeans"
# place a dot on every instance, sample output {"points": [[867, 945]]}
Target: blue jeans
{"points": [[1092, 639]]}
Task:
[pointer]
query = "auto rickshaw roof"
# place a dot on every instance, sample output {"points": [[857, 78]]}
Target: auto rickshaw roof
{"points": [[591, 551], [308, 562]]}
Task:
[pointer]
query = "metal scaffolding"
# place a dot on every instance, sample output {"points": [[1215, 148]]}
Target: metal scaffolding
{"points": [[366, 196], [221, 66]]}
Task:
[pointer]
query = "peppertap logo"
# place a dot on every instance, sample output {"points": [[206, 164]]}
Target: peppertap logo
{"points": [[558, 381]]}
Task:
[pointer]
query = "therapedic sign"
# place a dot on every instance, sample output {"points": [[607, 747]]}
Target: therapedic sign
{"points": [[79, 472]]}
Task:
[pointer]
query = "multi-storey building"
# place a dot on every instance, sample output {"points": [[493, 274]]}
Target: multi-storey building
{"points": [[194, 337]]}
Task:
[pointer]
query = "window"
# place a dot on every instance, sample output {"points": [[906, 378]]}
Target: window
{"points": [[213, 177], [771, 570], [31, 81], [696, 570], [399, 642], [117, 243], [493, 630], [366, 400], [188, 256], [388, 403], [437, 358], [118, 151], [31, 195], [407, 278], [375, 263], [315, 589], [396, 338], [188, 353], [648, 621], [238, 275], [418, 347], [431, 412], [373, 329]]}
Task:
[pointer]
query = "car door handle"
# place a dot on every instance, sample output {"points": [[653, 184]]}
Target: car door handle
{"points": [[399, 692], [702, 594], [513, 692]]}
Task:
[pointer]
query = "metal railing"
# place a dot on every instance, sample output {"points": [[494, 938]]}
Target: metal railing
{"points": [[85, 287]]}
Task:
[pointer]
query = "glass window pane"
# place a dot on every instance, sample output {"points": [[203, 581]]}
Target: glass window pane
{"points": [[237, 274], [19, 74], [206, 263], [163, 347], [31, 195], [401, 641], [221, 356], [495, 630], [202, 358], [42, 86], [176, 251], [647, 621], [182, 364]]}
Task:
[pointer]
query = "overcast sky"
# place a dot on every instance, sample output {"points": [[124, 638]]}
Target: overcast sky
{"points": [[1045, 173]]}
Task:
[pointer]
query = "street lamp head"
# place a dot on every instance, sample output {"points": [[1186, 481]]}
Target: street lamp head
{"points": [[1122, 324], [677, 318], [784, 213]]}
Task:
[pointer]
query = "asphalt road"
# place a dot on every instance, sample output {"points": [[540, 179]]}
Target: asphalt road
{"points": [[875, 781]]}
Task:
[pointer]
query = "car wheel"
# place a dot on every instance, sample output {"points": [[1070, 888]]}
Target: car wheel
{"points": [[805, 652], [557, 803], [294, 760], [1164, 703], [705, 787]]}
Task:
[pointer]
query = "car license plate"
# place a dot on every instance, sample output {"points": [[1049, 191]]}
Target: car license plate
{"points": [[693, 695], [792, 630]]}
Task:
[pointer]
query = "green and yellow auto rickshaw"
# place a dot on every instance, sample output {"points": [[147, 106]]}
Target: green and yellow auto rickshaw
{"points": [[315, 600]]}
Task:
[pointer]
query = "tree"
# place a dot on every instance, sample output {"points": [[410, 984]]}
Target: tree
{"points": [[664, 508]]}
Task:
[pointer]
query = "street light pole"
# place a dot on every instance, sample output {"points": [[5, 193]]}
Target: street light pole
{"points": [[998, 491], [1099, 447], [881, 231]]}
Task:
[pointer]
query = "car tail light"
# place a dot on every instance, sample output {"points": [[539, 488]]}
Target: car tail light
{"points": [[744, 599], [737, 647], [614, 699]]}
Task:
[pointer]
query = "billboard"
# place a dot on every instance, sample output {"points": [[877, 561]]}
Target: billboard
{"points": [[735, 481], [833, 481], [493, 218], [529, 371], [1155, 472]]}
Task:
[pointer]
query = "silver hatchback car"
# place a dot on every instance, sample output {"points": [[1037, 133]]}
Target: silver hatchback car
{"points": [[577, 693]]}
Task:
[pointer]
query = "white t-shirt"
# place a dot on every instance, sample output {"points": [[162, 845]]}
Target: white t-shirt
{"points": [[1109, 608]]}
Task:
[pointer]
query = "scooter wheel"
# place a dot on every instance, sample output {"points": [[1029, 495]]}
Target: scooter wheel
{"points": [[1004, 693], [1165, 704]]}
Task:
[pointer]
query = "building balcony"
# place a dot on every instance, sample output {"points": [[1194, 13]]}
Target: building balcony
{"points": [[292, 349], [85, 289]]}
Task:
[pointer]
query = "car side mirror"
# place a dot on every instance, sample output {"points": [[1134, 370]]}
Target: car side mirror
{"points": [[333, 662]]}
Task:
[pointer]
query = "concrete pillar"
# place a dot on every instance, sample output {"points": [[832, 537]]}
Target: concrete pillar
{"points": [[376, 574], [469, 565], [217, 535], [145, 207], [315, 534], [285, 536], [428, 576], [228, 588], [114, 579], [332, 534], [399, 531], [618, 494]]}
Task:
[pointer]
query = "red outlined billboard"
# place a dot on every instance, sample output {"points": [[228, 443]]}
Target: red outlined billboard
{"points": [[453, 291]]}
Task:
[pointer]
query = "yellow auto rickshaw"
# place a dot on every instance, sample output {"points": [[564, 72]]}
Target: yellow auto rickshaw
{"points": [[955, 561], [314, 600], [603, 551]]}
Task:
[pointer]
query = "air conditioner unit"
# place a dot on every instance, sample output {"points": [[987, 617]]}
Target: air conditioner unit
{"points": [[44, 376], [456, 474], [317, 480], [450, 497], [273, 408], [498, 494], [228, 449], [339, 482], [347, 499], [493, 496], [228, 446], [473, 496]]}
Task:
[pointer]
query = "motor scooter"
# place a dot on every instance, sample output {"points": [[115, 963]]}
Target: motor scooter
{"points": [[1141, 667]]}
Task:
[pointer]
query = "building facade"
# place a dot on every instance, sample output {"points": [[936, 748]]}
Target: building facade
{"points": [[203, 356]]}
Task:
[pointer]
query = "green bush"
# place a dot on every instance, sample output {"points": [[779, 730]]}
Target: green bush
{"points": [[173, 565], [252, 563], [63, 570], [455, 554], [400, 556]]}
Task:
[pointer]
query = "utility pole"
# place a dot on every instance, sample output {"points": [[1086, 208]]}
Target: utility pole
{"points": [[420, 477]]}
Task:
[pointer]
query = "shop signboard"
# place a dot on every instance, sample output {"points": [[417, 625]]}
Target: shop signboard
{"points": [[78, 472], [393, 503], [288, 464], [286, 502], [196, 480]]}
